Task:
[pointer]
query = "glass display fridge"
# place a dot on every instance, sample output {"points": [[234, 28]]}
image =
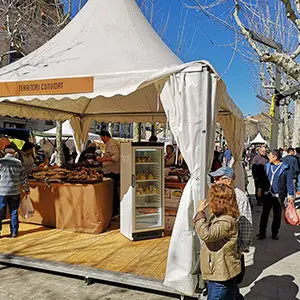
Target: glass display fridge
{"points": [[142, 190]]}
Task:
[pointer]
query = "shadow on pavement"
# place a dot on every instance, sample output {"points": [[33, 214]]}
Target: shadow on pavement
{"points": [[267, 253], [274, 287]]}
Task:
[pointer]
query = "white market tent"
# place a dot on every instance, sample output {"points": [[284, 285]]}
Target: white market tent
{"points": [[258, 140], [67, 131], [108, 64]]}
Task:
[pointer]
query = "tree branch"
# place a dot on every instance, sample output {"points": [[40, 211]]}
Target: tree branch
{"points": [[292, 16], [288, 65], [244, 31], [290, 12]]}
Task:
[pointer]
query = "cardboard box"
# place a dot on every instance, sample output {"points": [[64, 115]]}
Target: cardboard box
{"points": [[172, 203], [169, 228], [171, 211], [169, 220]]}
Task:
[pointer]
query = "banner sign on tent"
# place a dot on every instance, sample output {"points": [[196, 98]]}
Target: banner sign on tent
{"points": [[47, 87]]}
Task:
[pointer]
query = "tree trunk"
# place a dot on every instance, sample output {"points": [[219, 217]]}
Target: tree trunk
{"points": [[287, 140], [280, 127], [136, 132], [296, 130], [59, 143]]}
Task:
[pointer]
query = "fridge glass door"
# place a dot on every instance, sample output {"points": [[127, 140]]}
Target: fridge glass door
{"points": [[148, 188]]}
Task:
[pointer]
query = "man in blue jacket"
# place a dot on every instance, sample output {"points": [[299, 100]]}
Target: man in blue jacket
{"points": [[277, 186], [292, 161]]}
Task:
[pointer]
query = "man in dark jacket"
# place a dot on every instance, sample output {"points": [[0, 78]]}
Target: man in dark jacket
{"points": [[292, 162], [258, 170], [274, 190], [297, 155]]}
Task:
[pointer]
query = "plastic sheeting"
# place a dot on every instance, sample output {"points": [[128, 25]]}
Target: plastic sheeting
{"points": [[81, 131], [233, 124], [191, 100]]}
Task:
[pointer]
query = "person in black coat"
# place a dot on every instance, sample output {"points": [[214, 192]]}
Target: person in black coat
{"points": [[278, 185], [258, 170]]}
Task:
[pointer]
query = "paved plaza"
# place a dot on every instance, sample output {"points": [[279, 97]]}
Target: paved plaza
{"points": [[273, 272]]}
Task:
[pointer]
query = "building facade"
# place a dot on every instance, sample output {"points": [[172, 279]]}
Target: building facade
{"points": [[257, 124], [34, 23]]}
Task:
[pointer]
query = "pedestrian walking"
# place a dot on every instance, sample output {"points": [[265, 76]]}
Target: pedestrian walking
{"points": [[274, 190], [221, 154], [297, 155], [252, 154], [227, 156], [258, 170], [12, 177], [219, 256], [293, 164]]}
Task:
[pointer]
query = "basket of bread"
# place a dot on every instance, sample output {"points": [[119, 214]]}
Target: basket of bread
{"points": [[51, 175], [84, 175]]}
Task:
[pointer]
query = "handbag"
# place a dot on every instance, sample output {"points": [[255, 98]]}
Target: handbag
{"points": [[26, 207], [291, 215]]}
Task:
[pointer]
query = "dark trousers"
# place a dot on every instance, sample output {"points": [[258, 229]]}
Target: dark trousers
{"points": [[116, 197], [258, 199], [270, 202], [13, 203]]}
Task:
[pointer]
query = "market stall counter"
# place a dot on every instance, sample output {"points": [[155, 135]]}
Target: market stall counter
{"points": [[76, 207]]}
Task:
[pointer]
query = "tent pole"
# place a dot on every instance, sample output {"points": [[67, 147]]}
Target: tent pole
{"points": [[59, 142], [136, 132], [140, 132], [109, 129]]}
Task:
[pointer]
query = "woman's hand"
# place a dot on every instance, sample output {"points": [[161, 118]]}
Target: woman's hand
{"points": [[202, 205]]}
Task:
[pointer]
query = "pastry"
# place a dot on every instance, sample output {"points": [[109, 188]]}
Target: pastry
{"points": [[150, 176]]}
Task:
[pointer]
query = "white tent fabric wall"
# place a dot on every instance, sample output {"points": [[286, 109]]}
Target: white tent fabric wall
{"points": [[68, 131], [191, 100], [233, 124], [81, 129]]}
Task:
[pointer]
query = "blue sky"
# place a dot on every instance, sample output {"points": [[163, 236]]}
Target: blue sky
{"points": [[201, 37]]}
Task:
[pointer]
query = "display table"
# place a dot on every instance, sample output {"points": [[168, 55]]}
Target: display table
{"points": [[76, 207]]}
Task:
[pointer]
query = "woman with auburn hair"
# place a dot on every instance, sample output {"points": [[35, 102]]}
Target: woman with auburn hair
{"points": [[219, 256]]}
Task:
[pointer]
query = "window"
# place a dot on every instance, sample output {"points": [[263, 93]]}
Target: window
{"points": [[116, 130]]}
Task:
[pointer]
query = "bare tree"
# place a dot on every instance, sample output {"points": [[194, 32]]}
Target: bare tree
{"points": [[28, 24], [278, 21]]}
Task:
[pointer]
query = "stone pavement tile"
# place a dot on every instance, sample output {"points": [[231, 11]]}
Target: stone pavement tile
{"points": [[257, 297], [273, 267], [264, 288], [23, 284], [289, 293]]}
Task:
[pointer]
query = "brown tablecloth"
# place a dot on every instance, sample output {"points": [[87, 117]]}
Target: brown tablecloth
{"points": [[76, 207]]}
